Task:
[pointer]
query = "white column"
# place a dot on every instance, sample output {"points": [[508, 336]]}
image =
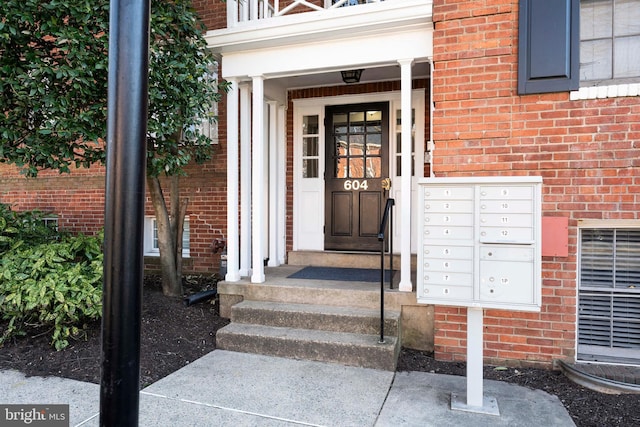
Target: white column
{"points": [[233, 251], [405, 180], [273, 185], [257, 199], [245, 180], [281, 145]]}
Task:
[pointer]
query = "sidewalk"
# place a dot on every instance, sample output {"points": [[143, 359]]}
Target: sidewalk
{"points": [[236, 389]]}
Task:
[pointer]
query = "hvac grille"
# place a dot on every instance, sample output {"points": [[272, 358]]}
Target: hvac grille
{"points": [[609, 294]]}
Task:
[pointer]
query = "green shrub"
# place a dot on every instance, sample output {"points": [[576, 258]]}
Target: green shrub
{"points": [[56, 285], [28, 227]]}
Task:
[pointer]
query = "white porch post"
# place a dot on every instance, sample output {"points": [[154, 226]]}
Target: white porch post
{"points": [[245, 180], [281, 146], [405, 181], [273, 185], [233, 253], [257, 198]]}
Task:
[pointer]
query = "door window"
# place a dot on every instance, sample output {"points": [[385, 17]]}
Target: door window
{"points": [[357, 142]]}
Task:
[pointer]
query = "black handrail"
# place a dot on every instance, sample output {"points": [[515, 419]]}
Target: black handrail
{"points": [[387, 218]]}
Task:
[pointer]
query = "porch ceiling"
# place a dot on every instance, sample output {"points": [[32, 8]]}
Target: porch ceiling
{"points": [[334, 78]]}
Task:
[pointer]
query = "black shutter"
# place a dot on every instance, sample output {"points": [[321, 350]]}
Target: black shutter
{"points": [[548, 46]]}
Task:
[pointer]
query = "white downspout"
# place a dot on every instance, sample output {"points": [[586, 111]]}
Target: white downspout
{"points": [[233, 253], [257, 198], [405, 181]]}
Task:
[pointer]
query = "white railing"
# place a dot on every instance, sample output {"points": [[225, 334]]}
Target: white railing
{"points": [[242, 11]]}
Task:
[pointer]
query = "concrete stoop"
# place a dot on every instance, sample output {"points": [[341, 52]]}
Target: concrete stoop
{"points": [[335, 334]]}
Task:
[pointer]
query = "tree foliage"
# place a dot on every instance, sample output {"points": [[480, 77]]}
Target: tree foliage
{"points": [[53, 79], [53, 89]]}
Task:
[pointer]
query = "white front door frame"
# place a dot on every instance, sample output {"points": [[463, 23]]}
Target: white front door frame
{"points": [[308, 199]]}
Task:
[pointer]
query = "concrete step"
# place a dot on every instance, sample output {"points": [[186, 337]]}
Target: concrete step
{"points": [[343, 259], [307, 316], [345, 348]]}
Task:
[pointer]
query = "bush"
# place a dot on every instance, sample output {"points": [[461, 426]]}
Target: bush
{"points": [[17, 228], [56, 285]]}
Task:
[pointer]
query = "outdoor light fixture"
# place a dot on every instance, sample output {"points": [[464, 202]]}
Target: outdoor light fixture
{"points": [[351, 76]]}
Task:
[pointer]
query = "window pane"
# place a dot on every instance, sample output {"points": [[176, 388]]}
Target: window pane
{"points": [[356, 122], [596, 261], [374, 121], [310, 146], [310, 168], [596, 19], [374, 143], [627, 13], [627, 259], [155, 235], [341, 146], [341, 168], [374, 167], [340, 123], [356, 145], [310, 125], [595, 60], [356, 167], [627, 57], [186, 236]]}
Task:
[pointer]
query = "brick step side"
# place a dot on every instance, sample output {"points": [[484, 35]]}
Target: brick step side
{"points": [[349, 349], [319, 317]]}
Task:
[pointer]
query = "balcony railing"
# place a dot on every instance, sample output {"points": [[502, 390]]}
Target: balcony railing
{"points": [[244, 11]]}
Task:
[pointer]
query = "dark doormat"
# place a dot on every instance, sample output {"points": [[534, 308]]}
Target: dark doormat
{"points": [[344, 274]]}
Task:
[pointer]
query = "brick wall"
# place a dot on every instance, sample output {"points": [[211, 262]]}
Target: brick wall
{"points": [[77, 199], [586, 152]]}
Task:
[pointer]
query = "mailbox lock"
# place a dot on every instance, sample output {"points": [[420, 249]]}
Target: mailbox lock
{"points": [[491, 279], [490, 254]]}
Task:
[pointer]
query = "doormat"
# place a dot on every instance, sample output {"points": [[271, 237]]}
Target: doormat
{"points": [[344, 274]]}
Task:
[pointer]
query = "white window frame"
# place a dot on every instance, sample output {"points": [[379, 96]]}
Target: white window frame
{"points": [[614, 86], [150, 242]]}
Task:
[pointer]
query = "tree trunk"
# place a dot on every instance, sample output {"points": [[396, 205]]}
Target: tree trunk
{"points": [[170, 228]]}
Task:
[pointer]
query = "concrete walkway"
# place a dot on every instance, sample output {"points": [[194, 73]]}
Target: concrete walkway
{"points": [[236, 389]]}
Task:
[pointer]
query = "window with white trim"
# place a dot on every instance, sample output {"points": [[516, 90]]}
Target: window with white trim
{"points": [[609, 42], [151, 247], [609, 295]]}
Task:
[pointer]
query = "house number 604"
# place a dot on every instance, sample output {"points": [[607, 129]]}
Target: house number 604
{"points": [[354, 184]]}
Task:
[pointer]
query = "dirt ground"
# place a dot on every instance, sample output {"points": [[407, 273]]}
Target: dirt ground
{"points": [[174, 335]]}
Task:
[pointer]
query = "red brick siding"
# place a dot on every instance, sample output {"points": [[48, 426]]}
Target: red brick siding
{"points": [[586, 152], [78, 201]]}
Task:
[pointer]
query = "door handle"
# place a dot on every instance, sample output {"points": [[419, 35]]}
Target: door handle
{"points": [[386, 184]]}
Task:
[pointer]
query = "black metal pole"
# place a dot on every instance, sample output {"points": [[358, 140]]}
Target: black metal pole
{"points": [[382, 291], [391, 246], [124, 211]]}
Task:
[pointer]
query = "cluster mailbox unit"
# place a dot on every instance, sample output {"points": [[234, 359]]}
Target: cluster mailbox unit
{"points": [[480, 242], [479, 246]]}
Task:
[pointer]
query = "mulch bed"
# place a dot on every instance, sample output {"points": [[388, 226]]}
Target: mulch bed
{"points": [[174, 335]]}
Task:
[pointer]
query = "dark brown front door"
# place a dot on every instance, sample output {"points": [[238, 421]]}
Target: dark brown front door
{"points": [[357, 161]]}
